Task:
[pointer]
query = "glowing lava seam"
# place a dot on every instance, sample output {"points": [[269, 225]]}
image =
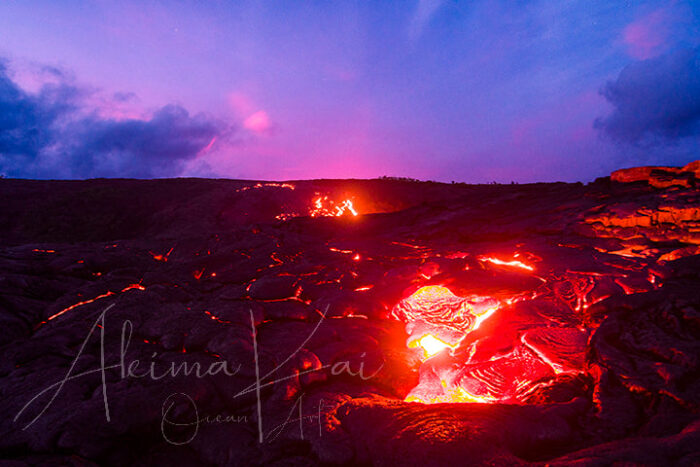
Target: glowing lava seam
{"points": [[511, 264], [94, 299]]}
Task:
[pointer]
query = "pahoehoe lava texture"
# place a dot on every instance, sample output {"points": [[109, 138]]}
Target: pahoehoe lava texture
{"points": [[585, 353]]}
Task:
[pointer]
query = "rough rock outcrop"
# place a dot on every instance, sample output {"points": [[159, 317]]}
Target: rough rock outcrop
{"points": [[660, 177]]}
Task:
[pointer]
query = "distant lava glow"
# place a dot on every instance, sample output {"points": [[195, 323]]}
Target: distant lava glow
{"points": [[323, 206], [455, 369], [264, 185]]}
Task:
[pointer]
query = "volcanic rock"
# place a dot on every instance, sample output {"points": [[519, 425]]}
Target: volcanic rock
{"points": [[221, 322]]}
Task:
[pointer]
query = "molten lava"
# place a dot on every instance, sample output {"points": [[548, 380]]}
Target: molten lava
{"points": [[438, 306], [264, 185], [512, 264], [457, 367], [323, 206], [161, 257], [430, 344]]}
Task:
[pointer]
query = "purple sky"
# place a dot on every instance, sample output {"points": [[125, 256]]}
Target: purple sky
{"points": [[473, 91]]}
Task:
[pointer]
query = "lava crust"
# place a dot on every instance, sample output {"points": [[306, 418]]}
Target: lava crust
{"points": [[383, 322]]}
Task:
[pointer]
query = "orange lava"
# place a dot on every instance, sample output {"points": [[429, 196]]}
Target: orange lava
{"points": [[456, 369], [511, 264], [347, 252], [104, 295], [163, 258], [450, 395], [269, 184], [323, 206], [430, 344], [438, 306]]}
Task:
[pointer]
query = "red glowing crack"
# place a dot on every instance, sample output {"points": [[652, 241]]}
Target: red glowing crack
{"points": [[94, 299]]}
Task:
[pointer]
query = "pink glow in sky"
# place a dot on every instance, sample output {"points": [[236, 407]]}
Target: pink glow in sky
{"points": [[258, 122], [647, 36]]}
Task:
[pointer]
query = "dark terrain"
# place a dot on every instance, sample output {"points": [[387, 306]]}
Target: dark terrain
{"points": [[585, 350]]}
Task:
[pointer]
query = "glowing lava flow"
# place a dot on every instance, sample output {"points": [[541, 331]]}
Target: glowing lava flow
{"points": [[322, 206], [269, 184], [437, 306], [430, 344], [457, 369], [511, 264]]}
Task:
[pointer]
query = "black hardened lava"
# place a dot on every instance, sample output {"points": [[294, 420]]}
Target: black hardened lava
{"points": [[214, 322]]}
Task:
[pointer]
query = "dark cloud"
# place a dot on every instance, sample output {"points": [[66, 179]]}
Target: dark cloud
{"points": [[52, 134], [655, 100], [26, 120], [138, 148]]}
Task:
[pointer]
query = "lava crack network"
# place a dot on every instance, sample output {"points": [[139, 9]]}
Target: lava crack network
{"points": [[437, 321]]}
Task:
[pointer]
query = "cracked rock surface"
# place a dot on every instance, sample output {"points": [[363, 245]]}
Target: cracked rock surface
{"points": [[217, 322]]}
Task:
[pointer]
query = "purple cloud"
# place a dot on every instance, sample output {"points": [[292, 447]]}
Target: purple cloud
{"points": [[648, 35], [655, 100], [54, 133]]}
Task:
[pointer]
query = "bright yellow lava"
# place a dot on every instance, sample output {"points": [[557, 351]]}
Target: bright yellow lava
{"points": [[430, 344], [452, 395], [512, 264]]}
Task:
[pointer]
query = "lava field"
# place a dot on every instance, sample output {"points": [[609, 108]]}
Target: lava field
{"points": [[346, 322]]}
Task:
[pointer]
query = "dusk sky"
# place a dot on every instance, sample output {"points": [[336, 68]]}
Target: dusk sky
{"points": [[468, 91]]}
